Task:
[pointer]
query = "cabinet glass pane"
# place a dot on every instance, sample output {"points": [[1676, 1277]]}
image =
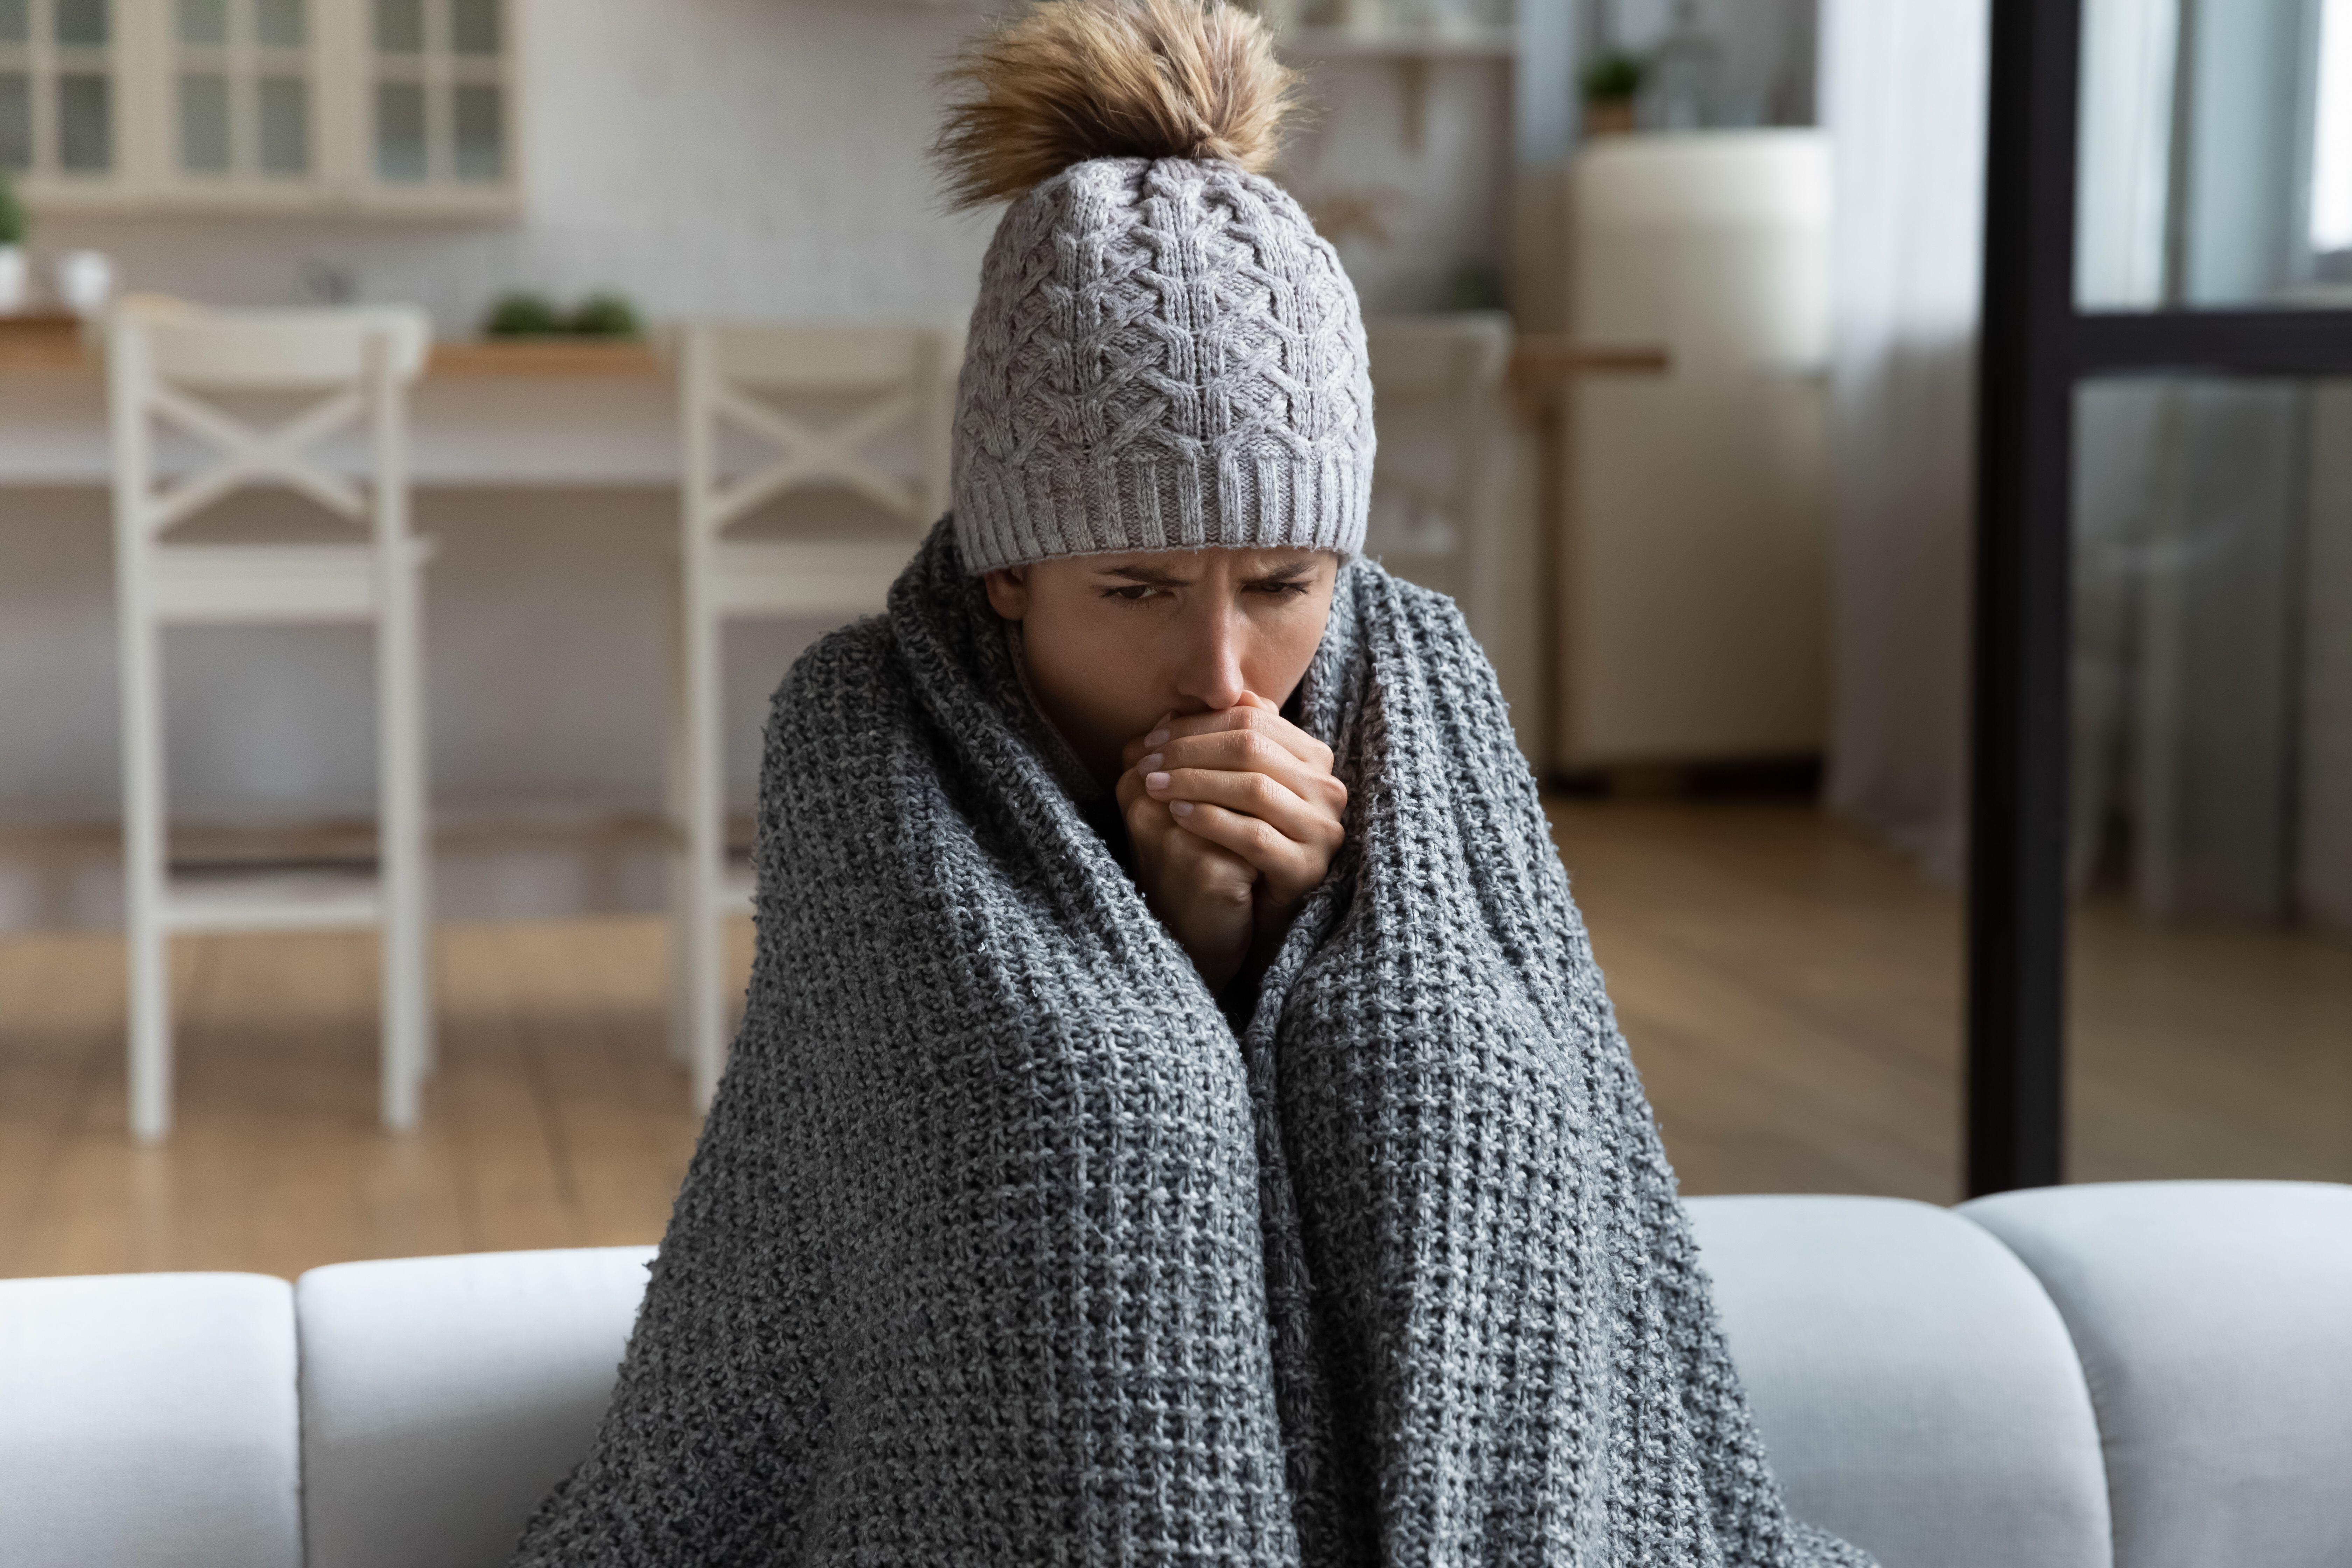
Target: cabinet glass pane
{"points": [[278, 24], [2216, 147], [285, 103], [2209, 985], [400, 131], [203, 123], [15, 121], [202, 21], [85, 122], [474, 26], [400, 26], [15, 21], [82, 23], [481, 133]]}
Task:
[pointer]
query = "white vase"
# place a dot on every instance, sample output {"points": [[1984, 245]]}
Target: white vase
{"points": [[12, 279], [84, 279]]}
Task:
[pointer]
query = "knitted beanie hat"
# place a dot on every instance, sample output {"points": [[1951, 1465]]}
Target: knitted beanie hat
{"points": [[1165, 355]]}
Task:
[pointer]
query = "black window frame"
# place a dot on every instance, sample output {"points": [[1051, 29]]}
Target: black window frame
{"points": [[2036, 347]]}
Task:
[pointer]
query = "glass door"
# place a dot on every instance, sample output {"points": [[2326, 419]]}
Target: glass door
{"points": [[2161, 902]]}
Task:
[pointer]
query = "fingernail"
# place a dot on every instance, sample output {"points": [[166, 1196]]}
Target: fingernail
{"points": [[1151, 761], [1155, 780], [1179, 808], [1156, 738]]}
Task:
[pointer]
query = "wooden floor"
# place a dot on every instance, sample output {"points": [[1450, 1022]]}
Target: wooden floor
{"points": [[1792, 993]]}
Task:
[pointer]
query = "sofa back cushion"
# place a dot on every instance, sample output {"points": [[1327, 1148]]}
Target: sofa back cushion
{"points": [[1914, 1388], [148, 1419], [2214, 1319], [442, 1398]]}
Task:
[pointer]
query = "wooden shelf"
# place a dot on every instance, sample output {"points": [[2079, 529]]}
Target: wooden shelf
{"points": [[52, 341], [1537, 355], [550, 358], [43, 340]]}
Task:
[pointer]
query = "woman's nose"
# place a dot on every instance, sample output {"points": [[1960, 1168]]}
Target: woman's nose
{"points": [[1213, 675]]}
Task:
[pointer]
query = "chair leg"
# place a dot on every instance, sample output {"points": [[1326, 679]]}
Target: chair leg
{"points": [[403, 870], [701, 961], [147, 948], [148, 956], [677, 808]]}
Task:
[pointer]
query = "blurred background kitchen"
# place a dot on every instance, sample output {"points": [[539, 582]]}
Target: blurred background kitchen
{"points": [[1674, 306]]}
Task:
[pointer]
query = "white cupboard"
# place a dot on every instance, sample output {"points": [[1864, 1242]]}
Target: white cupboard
{"points": [[1694, 554]]}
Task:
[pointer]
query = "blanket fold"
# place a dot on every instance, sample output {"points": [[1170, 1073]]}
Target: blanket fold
{"points": [[1001, 1246]]}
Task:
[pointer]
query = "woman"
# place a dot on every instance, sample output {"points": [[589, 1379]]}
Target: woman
{"points": [[1177, 1117]]}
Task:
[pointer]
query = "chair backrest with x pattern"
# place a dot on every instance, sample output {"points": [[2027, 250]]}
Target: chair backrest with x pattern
{"points": [[166, 357], [1442, 377], [900, 377], [1453, 366]]}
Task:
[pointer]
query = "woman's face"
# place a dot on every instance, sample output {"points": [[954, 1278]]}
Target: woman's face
{"points": [[1116, 642]]}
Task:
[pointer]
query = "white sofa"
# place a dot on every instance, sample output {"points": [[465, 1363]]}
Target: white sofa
{"points": [[2155, 1375]]}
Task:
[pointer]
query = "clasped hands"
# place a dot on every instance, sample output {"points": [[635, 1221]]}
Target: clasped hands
{"points": [[1234, 817]]}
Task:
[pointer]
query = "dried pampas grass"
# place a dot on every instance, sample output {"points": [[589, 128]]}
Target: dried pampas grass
{"points": [[1073, 79]]}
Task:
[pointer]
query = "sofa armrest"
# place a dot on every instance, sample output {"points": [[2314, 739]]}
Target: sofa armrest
{"points": [[2215, 1321], [1916, 1389], [148, 1419], [442, 1398]]}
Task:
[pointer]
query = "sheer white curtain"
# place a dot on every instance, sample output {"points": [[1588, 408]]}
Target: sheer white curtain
{"points": [[1903, 94]]}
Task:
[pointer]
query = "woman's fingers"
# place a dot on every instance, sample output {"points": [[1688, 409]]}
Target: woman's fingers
{"points": [[1146, 819], [1247, 753], [1144, 743], [1291, 869], [1253, 714], [1258, 794]]}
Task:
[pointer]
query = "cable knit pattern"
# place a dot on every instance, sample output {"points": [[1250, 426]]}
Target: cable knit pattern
{"points": [[1164, 355], [1002, 1247]]}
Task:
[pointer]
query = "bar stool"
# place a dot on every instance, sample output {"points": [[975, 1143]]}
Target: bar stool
{"points": [[1437, 491], [899, 382], [354, 364]]}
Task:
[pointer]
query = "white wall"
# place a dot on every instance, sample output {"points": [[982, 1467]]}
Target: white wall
{"points": [[767, 158], [759, 158]]}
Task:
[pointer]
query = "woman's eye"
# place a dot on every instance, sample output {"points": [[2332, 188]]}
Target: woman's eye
{"points": [[1280, 590], [1133, 594]]}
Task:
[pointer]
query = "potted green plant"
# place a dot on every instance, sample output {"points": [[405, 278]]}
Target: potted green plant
{"points": [[605, 315], [521, 314], [525, 315], [12, 249], [1612, 84]]}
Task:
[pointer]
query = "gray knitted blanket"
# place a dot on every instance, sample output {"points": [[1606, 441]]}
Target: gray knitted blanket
{"points": [[1002, 1247]]}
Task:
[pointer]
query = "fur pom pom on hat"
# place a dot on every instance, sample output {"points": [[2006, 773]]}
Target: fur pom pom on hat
{"points": [[1075, 80], [1164, 354]]}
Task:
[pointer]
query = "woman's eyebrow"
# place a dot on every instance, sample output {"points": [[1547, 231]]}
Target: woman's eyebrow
{"points": [[1155, 577], [1291, 573]]}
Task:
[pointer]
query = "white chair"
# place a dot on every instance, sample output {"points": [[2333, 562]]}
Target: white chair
{"points": [[898, 383], [354, 364], [1437, 384]]}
